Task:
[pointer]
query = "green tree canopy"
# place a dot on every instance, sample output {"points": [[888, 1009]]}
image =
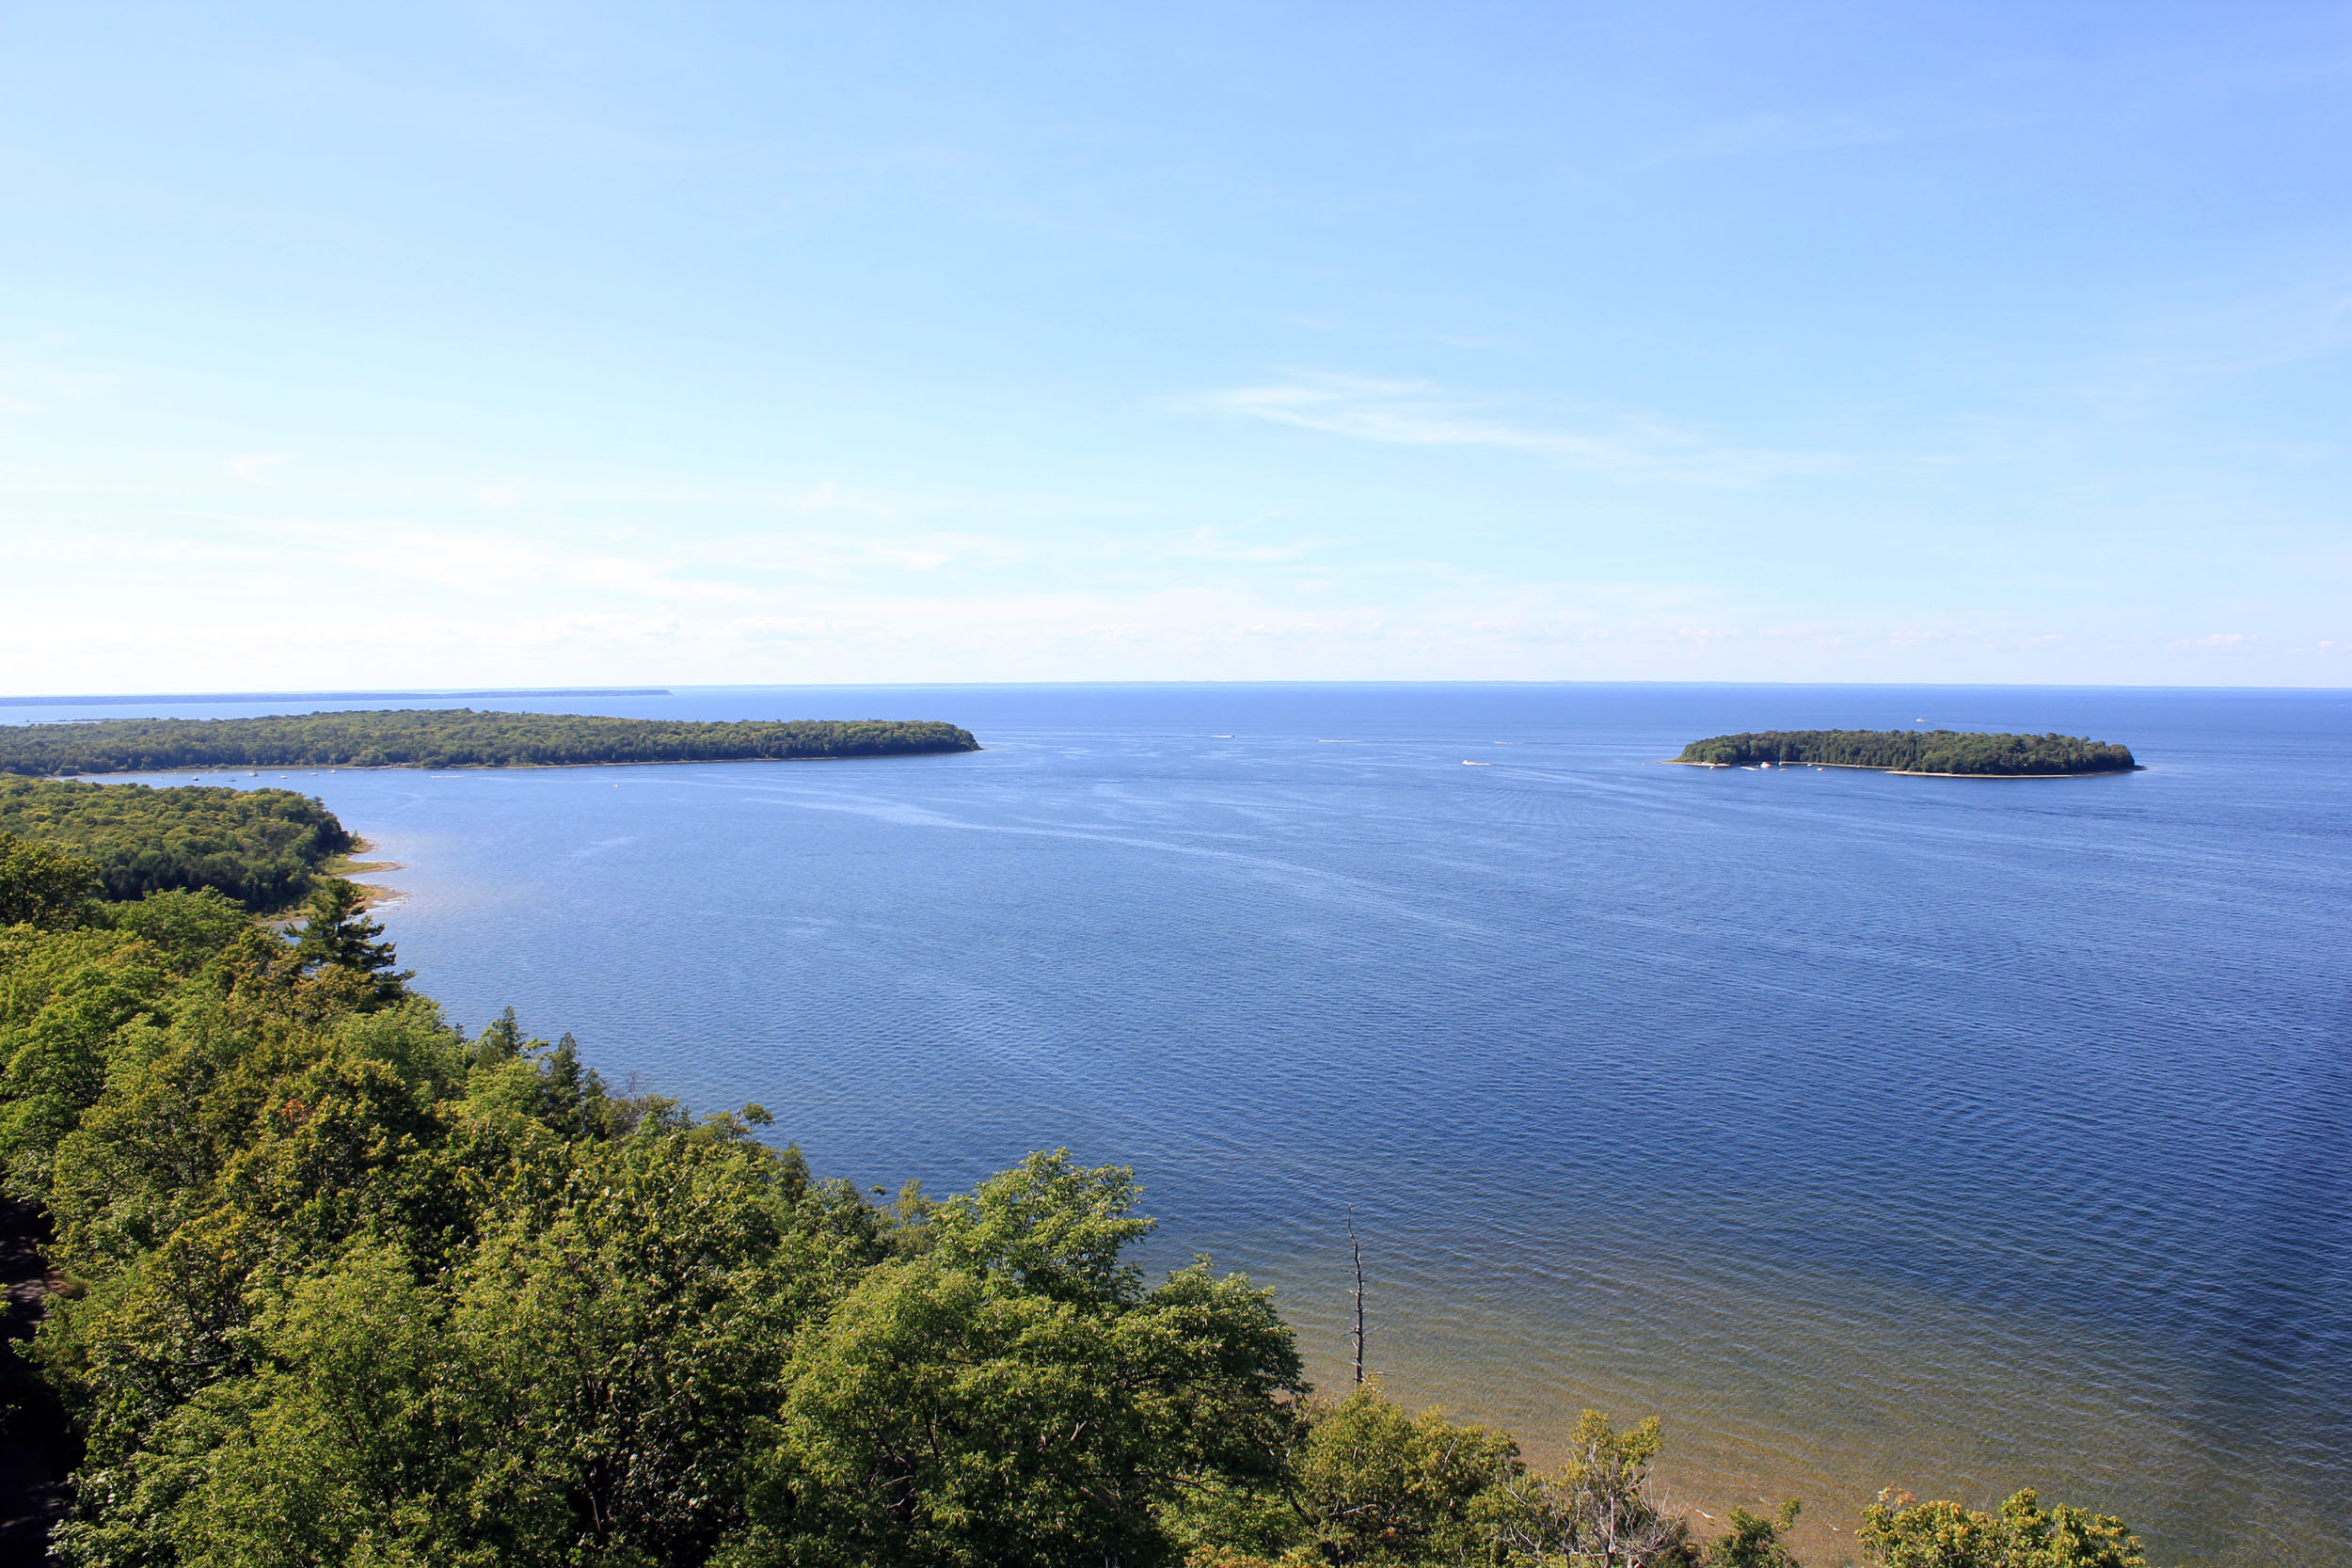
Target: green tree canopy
{"points": [[1014, 1394], [1900, 1531], [42, 886], [1376, 1485], [263, 847]]}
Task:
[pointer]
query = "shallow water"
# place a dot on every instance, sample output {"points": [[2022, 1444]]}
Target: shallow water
{"points": [[1956, 1134]]}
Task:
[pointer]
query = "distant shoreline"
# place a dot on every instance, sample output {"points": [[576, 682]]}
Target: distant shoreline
{"points": [[215, 698], [447, 738], [282, 769]]}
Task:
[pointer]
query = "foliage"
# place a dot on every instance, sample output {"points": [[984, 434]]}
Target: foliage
{"points": [[263, 847], [182, 927], [1378, 1486], [337, 936], [1916, 751], [1902, 1532], [1599, 1509], [449, 738], [1753, 1540], [1012, 1394], [66, 999], [42, 886]]}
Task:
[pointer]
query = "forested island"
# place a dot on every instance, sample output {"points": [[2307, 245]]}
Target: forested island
{"points": [[453, 738], [1944, 751], [325, 1280]]}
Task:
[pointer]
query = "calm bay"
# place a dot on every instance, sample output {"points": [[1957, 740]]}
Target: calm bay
{"points": [[1951, 1133]]}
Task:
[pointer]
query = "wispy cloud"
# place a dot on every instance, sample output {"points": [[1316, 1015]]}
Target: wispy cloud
{"points": [[1207, 543], [35, 388], [824, 496], [252, 467], [1779, 132], [479, 563], [1419, 414]]}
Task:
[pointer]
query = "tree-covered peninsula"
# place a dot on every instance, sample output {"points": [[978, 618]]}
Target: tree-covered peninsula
{"points": [[452, 738], [326, 1280], [263, 847], [2004, 756]]}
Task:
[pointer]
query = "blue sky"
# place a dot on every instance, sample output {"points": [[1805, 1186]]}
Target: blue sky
{"points": [[542, 344]]}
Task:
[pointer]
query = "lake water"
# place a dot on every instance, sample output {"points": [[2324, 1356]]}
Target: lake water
{"points": [[1960, 1134]]}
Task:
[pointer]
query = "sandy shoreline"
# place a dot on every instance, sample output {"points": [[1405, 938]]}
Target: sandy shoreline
{"points": [[350, 867]]}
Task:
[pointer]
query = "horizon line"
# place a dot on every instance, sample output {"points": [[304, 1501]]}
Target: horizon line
{"points": [[454, 694]]}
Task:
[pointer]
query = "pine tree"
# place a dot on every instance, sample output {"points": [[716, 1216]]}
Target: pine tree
{"points": [[338, 934]]}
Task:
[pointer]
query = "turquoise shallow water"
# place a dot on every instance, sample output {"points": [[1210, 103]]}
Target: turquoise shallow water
{"points": [[1958, 1134]]}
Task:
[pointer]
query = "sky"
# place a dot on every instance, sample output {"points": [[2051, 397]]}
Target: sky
{"points": [[533, 345]]}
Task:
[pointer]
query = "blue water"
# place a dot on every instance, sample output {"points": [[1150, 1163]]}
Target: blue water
{"points": [[1959, 1134]]}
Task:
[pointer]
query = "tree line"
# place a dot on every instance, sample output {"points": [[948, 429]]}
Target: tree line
{"points": [[263, 847], [451, 737], [340, 1284], [1915, 751]]}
